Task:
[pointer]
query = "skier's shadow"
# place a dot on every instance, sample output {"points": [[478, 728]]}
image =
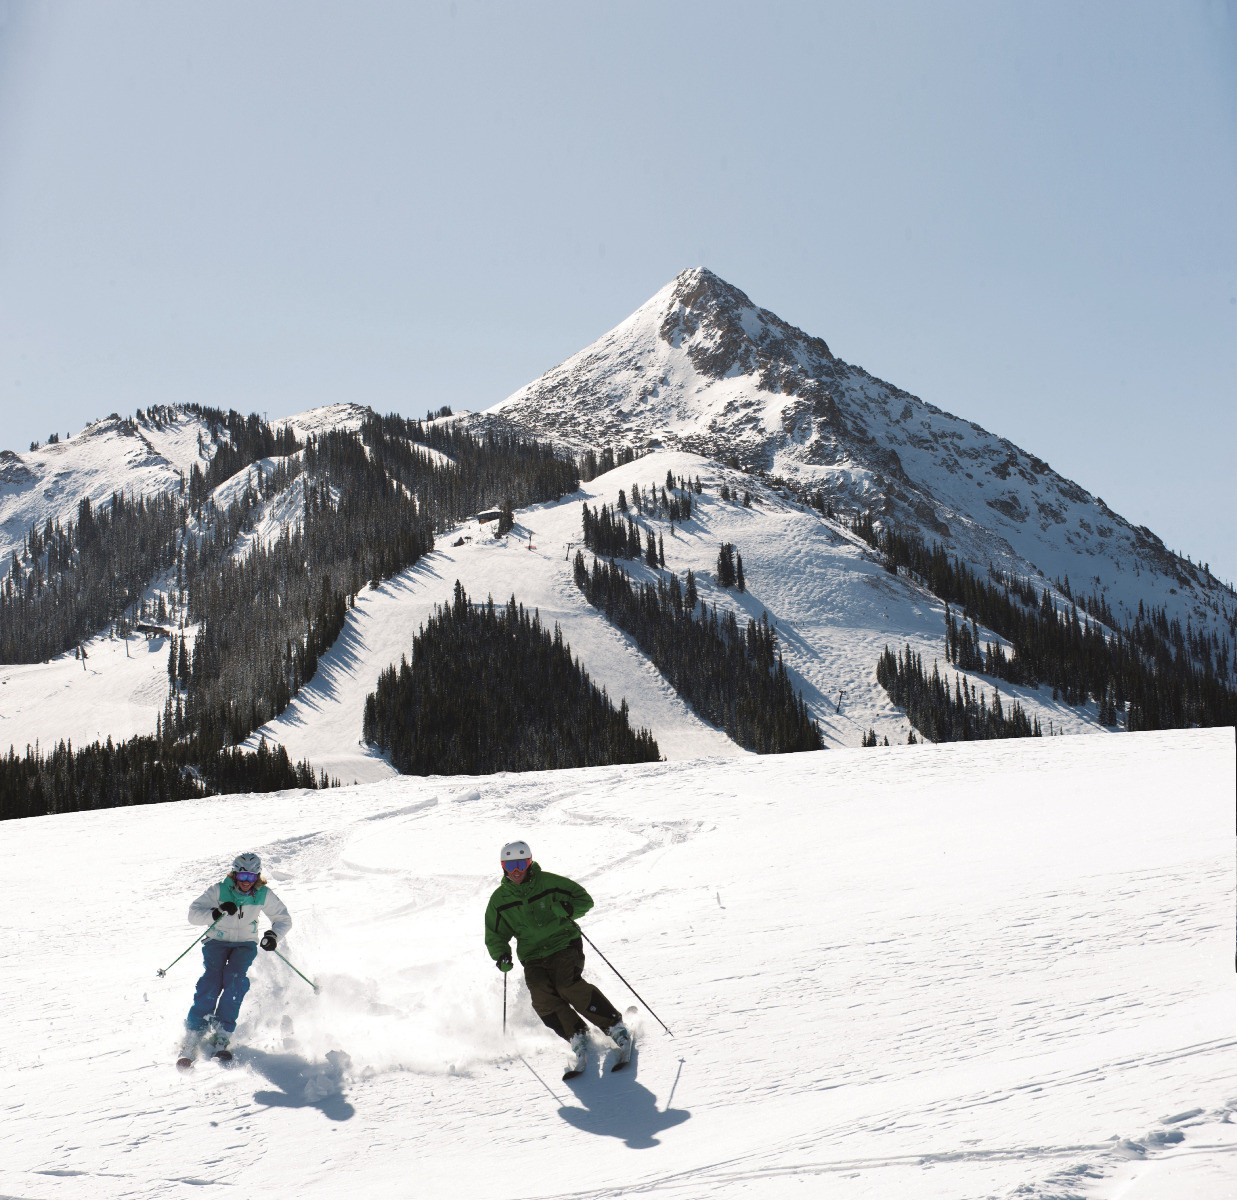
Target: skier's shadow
{"points": [[301, 1083], [619, 1106]]}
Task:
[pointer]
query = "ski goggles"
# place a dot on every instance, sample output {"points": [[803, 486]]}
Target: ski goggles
{"points": [[246, 877], [515, 865]]}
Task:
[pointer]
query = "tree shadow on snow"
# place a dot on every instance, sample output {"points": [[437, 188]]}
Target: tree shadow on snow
{"points": [[621, 1107], [301, 1083]]}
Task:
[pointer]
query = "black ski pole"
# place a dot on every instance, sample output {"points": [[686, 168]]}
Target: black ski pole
{"points": [[631, 989], [504, 1004]]}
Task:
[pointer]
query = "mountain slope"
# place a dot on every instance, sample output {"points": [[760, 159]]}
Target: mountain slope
{"points": [[700, 367], [137, 455], [834, 609], [946, 972]]}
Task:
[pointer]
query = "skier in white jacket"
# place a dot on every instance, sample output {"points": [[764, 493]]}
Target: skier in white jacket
{"points": [[234, 905]]}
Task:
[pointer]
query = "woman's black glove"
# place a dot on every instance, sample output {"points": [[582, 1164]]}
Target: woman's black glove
{"points": [[226, 907], [269, 940]]}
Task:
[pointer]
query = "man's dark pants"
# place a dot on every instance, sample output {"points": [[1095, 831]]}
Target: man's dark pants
{"points": [[561, 995]]}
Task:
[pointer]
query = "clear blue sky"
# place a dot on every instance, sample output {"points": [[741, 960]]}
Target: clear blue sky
{"points": [[1023, 213]]}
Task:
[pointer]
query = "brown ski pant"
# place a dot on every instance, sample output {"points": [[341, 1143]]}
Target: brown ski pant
{"points": [[560, 994]]}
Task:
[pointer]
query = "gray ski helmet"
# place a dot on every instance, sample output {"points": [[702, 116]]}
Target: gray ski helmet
{"points": [[515, 850], [247, 862]]}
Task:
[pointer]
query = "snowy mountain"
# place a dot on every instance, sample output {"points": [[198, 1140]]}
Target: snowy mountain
{"points": [[932, 973], [700, 367], [705, 386], [834, 608], [153, 451], [138, 455], [953, 971]]}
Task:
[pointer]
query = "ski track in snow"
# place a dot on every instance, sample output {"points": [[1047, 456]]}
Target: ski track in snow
{"points": [[956, 971]]}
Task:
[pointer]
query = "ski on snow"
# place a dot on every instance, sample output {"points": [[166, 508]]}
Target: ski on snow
{"points": [[580, 1061], [222, 1057]]}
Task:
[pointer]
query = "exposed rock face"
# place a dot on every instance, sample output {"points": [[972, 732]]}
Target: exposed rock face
{"points": [[13, 470], [700, 367]]}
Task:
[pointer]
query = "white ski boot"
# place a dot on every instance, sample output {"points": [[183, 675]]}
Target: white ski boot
{"points": [[189, 1049], [218, 1043], [625, 1041], [579, 1050]]}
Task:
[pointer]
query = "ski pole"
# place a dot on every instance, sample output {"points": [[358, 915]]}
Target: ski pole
{"points": [[185, 951], [631, 989], [304, 977], [504, 1004]]}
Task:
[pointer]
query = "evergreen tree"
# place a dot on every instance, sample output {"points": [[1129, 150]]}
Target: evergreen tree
{"points": [[506, 518], [942, 716], [491, 689], [1159, 674], [734, 679]]}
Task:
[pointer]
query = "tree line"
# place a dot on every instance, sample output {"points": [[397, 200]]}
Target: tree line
{"points": [[1152, 671], [491, 689], [72, 580], [962, 715], [370, 503], [736, 681], [141, 770], [486, 469]]}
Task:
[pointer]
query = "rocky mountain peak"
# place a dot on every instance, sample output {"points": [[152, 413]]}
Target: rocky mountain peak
{"points": [[724, 333], [699, 367]]}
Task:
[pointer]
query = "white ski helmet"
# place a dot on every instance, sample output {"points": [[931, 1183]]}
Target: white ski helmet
{"points": [[513, 851], [247, 862]]}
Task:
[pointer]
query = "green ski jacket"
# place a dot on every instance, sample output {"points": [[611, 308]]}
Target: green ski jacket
{"points": [[526, 912]]}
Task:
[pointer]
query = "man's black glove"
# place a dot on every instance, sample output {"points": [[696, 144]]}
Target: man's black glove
{"points": [[564, 908], [269, 940], [505, 964], [226, 907]]}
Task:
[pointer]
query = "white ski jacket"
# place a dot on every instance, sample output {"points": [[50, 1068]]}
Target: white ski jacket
{"points": [[243, 927]]}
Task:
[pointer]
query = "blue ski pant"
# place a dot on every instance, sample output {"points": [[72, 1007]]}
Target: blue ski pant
{"points": [[223, 984]]}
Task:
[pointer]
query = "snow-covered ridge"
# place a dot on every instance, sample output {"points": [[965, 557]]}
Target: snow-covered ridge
{"points": [[700, 367], [348, 417], [137, 456]]}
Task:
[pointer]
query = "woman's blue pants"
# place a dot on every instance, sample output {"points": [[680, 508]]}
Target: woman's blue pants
{"points": [[223, 984]]}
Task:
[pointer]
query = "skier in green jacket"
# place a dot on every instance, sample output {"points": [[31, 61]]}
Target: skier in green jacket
{"points": [[540, 910]]}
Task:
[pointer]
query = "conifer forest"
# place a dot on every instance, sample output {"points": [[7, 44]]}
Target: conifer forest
{"points": [[491, 689], [246, 619], [1149, 675], [734, 679]]}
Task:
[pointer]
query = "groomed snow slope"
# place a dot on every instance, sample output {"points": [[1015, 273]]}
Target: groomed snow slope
{"points": [[118, 692], [934, 973], [835, 607]]}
